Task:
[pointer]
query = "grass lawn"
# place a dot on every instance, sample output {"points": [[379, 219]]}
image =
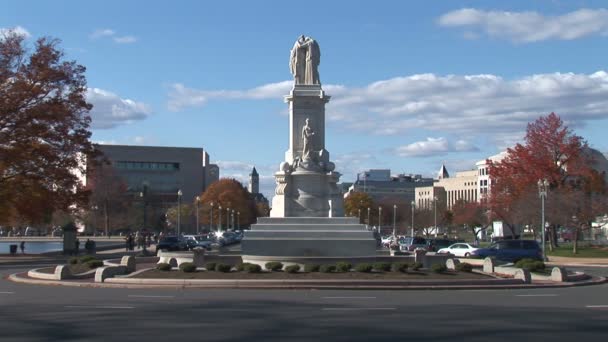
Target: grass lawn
{"points": [[565, 250]]}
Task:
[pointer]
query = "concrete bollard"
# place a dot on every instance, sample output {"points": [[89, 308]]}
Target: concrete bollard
{"points": [[129, 262], [488, 265], [524, 275], [62, 272], [559, 274], [452, 263], [102, 273]]}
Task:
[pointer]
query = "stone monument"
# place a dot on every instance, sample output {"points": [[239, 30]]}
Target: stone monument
{"points": [[306, 223]]}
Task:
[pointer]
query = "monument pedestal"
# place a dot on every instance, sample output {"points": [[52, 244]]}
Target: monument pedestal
{"points": [[305, 240]]}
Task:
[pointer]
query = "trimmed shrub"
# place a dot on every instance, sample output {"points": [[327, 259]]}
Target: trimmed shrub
{"points": [[163, 266], [292, 269], [531, 265], [73, 261], [86, 258], [364, 268], [382, 266], [415, 266], [311, 268], [224, 268], [94, 263], [400, 267], [187, 267], [343, 266], [327, 268], [464, 267], [241, 267], [252, 268], [210, 266], [274, 266], [439, 268]]}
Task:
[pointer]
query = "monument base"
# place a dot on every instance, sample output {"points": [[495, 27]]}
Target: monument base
{"points": [[297, 239]]}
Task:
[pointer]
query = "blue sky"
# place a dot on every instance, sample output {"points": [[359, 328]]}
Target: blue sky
{"points": [[413, 84]]}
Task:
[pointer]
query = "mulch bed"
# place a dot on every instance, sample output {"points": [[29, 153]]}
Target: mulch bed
{"points": [[156, 274]]}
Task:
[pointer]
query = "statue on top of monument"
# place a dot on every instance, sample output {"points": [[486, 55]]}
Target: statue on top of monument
{"points": [[304, 61], [307, 145]]}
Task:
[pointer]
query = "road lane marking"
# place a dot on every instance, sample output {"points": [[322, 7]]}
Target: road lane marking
{"points": [[348, 297], [98, 307], [596, 306], [6, 292], [537, 295], [355, 309], [149, 296]]}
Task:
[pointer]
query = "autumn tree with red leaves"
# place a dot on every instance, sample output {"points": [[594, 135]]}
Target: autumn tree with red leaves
{"points": [[550, 151], [471, 216], [44, 130], [227, 193]]}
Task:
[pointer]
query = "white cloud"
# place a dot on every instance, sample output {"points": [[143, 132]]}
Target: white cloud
{"points": [[109, 33], [110, 110], [474, 105], [181, 97], [125, 39], [527, 27], [19, 30], [99, 33], [434, 146]]}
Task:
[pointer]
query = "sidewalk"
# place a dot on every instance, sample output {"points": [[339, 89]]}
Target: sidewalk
{"points": [[568, 261]]}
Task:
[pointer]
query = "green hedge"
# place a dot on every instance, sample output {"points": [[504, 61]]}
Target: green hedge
{"points": [[400, 267], [252, 268], [311, 268], [73, 260], [531, 265], [86, 258], [163, 266], [94, 263], [343, 266], [210, 266], [415, 266], [364, 268], [464, 267], [292, 269], [187, 267], [224, 268], [274, 266], [382, 266], [438, 268], [327, 268]]}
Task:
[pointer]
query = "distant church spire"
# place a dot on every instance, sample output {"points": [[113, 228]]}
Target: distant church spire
{"points": [[254, 181], [443, 172]]}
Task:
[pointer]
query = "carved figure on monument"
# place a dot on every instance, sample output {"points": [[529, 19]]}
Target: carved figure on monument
{"points": [[304, 61], [307, 141]]}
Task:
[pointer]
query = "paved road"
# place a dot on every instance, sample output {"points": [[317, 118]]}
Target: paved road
{"points": [[36, 313]]}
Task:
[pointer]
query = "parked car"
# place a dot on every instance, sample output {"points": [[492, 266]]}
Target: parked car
{"points": [[410, 244], [460, 249], [387, 240], [198, 241], [171, 243], [433, 245], [511, 250]]}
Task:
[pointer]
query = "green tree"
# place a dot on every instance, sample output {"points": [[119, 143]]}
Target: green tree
{"points": [[357, 203]]}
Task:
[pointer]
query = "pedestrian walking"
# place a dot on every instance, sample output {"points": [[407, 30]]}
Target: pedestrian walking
{"points": [[77, 245], [22, 246]]}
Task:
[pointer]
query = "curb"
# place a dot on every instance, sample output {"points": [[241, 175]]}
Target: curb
{"points": [[281, 284]]}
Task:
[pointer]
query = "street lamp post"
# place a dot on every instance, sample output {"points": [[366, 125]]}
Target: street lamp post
{"points": [[219, 220], [543, 186], [143, 195], [394, 220], [359, 216], [238, 220], [368, 211], [198, 200], [413, 207], [435, 199], [227, 218], [380, 220], [211, 218], [179, 212], [232, 218]]}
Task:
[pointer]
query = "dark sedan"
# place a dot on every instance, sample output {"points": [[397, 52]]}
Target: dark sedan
{"points": [[171, 243], [511, 250]]}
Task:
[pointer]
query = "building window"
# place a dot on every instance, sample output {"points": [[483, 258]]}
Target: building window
{"points": [[128, 165]]}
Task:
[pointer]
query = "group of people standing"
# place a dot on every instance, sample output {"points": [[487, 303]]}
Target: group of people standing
{"points": [[142, 240]]}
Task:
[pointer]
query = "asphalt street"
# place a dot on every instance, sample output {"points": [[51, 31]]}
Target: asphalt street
{"points": [[36, 313]]}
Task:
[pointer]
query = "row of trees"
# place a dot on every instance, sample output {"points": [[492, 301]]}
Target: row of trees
{"points": [[577, 191]]}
